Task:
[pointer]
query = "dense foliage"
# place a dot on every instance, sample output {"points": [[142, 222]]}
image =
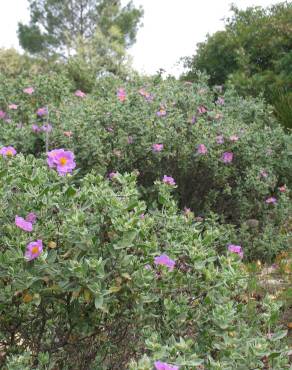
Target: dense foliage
{"points": [[226, 154], [115, 282], [253, 53]]}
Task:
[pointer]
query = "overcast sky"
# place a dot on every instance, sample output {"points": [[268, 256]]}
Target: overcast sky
{"points": [[171, 28]]}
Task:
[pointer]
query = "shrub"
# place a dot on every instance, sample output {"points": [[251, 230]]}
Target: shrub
{"points": [[247, 155], [98, 285]]}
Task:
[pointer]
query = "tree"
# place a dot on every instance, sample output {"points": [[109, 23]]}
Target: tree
{"points": [[253, 52], [58, 27]]}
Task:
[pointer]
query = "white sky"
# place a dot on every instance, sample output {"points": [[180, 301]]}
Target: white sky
{"points": [[171, 28]]}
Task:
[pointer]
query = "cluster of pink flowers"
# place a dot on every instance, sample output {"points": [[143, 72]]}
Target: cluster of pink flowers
{"points": [[62, 160], [80, 94], [8, 151], [236, 249], [121, 94], [157, 148], [165, 261], [168, 180]]}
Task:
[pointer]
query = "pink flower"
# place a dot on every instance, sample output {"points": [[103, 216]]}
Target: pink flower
{"points": [[110, 129], [165, 260], [193, 120], [28, 90], [157, 148], [235, 249], [35, 128], [130, 140], [2, 114], [271, 200], [8, 151], [168, 180], [112, 175], [146, 95], [31, 217], [23, 224], [33, 250], [202, 109], [12, 106], [282, 189], [121, 94], [164, 366], [62, 160], [234, 138], [220, 139], [227, 157], [80, 94], [42, 111], [202, 149], [161, 112], [142, 216], [47, 128]]}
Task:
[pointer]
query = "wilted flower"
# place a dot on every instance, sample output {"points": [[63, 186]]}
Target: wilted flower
{"points": [[227, 157], [62, 160], [31, 217], [202, 149], [234, 138], [8, 151], [80, 94], [23, 224], [220, 139], [235, 249], [193, 120], [202, 109], [157, 147], [68, 133], [36, 128], [263, 173], [164, 366], [271, 200], [282, 188], [2, 114], [168, 180], [12, 106], [121, 94], [33, 250], [165, 260], [28, 90], [220, 101]]}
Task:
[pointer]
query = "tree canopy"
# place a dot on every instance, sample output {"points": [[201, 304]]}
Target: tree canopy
{"points": [[58, 27]]}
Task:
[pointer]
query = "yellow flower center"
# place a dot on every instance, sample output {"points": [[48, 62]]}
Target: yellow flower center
{"points": [[35, 250], [63, 161], [9, 152]]}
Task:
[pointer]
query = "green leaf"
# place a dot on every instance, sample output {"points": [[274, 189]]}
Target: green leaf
{"points": [[98, 302]]}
